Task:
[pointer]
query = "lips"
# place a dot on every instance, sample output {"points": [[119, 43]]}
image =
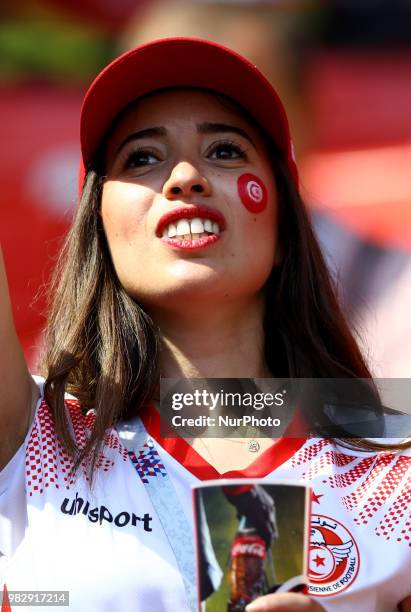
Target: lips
{"points": [[186, 222]]}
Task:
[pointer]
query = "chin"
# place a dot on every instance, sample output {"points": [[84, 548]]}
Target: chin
{"points": [[193, 290], [186, 283]]}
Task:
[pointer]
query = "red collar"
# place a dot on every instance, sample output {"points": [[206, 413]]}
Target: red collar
{"points": [[179, 448]]}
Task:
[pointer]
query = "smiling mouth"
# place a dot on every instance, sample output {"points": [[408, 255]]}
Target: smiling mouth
{"points": [[191, 227], [190, 234]]}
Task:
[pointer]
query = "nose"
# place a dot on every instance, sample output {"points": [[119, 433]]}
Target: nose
{"points": [[184, 181]]}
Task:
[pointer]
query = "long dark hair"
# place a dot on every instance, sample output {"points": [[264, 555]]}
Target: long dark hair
{"points": [[306, 333], [103, 347], [100, 345]]}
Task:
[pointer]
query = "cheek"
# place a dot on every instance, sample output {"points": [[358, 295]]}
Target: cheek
{"points": [[252, 192], [122, 211]]}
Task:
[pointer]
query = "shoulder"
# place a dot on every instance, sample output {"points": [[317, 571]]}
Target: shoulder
{"points": [[79, 420], [369, 489], [345, 465], [48, 463]]}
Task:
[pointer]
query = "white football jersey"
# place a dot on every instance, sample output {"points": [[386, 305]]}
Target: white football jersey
{"points": [[105, 545]]}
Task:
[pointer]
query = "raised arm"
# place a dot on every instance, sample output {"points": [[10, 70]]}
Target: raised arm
{"points": [[16, 387]]}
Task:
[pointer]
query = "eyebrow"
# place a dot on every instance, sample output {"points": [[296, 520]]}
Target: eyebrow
{"points": [[213, 128], [202, 128], [147, 133]]}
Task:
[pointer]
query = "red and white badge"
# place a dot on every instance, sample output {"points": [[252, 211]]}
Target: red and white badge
{"points": [[252, 192], [334, 558]]}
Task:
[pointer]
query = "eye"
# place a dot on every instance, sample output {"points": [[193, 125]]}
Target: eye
{"points": [[226, 150], [141, 158]]}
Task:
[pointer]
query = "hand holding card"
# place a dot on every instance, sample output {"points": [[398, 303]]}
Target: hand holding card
{"points": [[284, 602]]}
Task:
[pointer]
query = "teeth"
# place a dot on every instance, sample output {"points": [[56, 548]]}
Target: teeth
{"points": [[191, 229], [172, 230], [183, 227], [197, 226]]}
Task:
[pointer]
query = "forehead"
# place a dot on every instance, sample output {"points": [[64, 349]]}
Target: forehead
{"points": [[183, 106]]}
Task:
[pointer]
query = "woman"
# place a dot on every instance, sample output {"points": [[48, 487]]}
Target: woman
{"points": [[191, 255]]}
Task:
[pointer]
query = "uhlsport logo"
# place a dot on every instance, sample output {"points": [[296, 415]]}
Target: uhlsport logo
{"points": [[334, 558], [98, 514]]}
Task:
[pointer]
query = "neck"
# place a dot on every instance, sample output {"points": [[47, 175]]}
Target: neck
{"points": [[224, 342], [219, 342]]}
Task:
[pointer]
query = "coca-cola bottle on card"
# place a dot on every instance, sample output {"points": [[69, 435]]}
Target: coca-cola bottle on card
{"points": [[246, 573]]}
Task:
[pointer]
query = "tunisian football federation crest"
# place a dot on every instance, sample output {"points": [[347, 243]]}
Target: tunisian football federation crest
{"points": [[334, 559]]}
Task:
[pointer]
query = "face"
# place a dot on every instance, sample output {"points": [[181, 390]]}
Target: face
{"points": [[180, 224]]}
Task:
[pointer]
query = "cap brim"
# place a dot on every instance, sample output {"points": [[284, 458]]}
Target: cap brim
{"points": [[180, 62]]}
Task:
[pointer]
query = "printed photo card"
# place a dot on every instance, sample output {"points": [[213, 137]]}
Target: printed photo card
{"points": [[251, 539]]}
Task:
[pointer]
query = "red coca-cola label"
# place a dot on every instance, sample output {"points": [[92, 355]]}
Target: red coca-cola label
{"points": [[250, 546]]}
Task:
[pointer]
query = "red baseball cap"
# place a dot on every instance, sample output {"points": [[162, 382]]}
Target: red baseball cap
{"points": [[181, 62]]}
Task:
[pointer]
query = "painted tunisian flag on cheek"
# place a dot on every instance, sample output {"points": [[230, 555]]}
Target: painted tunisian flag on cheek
{"points": [[252, 192]]}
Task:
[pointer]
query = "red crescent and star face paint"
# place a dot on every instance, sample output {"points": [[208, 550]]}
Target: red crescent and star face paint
{"points": [[252, 192]]}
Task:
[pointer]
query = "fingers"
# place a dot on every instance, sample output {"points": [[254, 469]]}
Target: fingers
{"points": [[284, 602]]}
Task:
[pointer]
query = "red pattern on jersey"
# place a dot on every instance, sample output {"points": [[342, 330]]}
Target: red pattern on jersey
{"points": [[381, 482], [387, 487], [44, 455], [398, 516], [328, 458], [82, 426], [47, 463], [350, 476], [374, 468], [309, 452], [393, 518]]}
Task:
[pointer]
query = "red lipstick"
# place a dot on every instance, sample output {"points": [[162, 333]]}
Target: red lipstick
{"points": [[190, 212], [191, 245]]}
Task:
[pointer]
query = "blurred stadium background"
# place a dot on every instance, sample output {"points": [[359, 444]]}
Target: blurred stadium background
{"points": [[343, 68]]}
